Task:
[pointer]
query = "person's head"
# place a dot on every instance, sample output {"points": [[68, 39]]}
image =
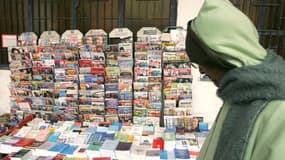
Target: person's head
{"points": [[89, 40], [195, 123], [222, 38], [99, 41]]}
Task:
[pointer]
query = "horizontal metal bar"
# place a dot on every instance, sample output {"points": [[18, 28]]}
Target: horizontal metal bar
{"points": [[271, 32], [267, 4]]}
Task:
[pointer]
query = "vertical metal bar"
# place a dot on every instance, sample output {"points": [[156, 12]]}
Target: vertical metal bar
{"points": [[131, 13], [104, 15], [11, 16], [39, 15], [82, 18], [90, 14], [45, 16], [112, 20], [173, 13], [74, 5], [260, 16], [281, 46], [121, 13], [64, 15], [51, 15], [153, 14], [58, 17], [161, 13], [97, 14], [30, 15], [23, 16], [274, 21], [17, 17], [5, 17]]}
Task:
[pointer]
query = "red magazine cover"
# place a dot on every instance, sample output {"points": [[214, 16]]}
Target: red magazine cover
{"points": [[102, 158], [24, 142], [85, 63], [98, 71]]}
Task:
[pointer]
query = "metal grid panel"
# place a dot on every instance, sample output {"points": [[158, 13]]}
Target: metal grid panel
{"points": [[146, 13], [17, 16], [269, 18]]}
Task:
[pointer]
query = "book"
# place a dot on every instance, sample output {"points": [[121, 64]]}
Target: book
{"points": [[24, 142], [54, 137], [138, 152], [108, 148], [33, 133], [102, 158], [81, 151], [163, 155], [69, 150], [43, 150], [123, 150], [152, 154], [42, 135], [23, 154], [181, 153], [59, 147], [93, 150], [34, 145], [23, 131]]}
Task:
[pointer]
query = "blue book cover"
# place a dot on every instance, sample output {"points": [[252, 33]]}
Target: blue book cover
{"points": [[109, 135], [94, 138], [111, 87], [91, 130], [59, 147], [116, 126], [163, 154], [69, 150], [53, 137], [181, 153]]}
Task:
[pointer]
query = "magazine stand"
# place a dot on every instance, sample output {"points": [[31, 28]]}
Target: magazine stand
{"points": [[27, 39], [148, 77], [49, 38], [98, 36], [92, 76], [20, 59], [177, 80], [72, 38], [119, 76]]}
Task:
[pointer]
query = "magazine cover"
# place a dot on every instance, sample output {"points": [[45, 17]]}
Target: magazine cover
{"points": [[27, 39], [49, 38], [72, 38]]}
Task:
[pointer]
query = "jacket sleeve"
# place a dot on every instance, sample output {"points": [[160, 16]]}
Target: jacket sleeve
{"points": [[267, 141]]}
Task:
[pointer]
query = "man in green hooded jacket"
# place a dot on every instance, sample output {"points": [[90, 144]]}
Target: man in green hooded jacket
{"points": [[250, 80]]}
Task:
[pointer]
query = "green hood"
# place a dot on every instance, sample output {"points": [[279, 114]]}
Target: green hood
{"points": [[227, 32]]}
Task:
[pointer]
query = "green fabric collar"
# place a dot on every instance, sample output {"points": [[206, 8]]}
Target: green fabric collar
{"points": [[248, 90]]}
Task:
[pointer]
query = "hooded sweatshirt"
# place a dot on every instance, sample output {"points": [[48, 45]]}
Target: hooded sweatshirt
{"points": [[248, 127]]}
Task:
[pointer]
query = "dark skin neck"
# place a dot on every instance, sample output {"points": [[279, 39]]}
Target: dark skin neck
{"points": [[214, 74]]}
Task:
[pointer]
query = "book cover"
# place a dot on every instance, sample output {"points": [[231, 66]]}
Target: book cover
{"points": [[24, 142], [181, 153], [108, 148], [69, 150], [102, 158], [152, 154], [59, 147], [123, 150], [34, 145], [22, 154], [163, 155], [138, 152]]}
